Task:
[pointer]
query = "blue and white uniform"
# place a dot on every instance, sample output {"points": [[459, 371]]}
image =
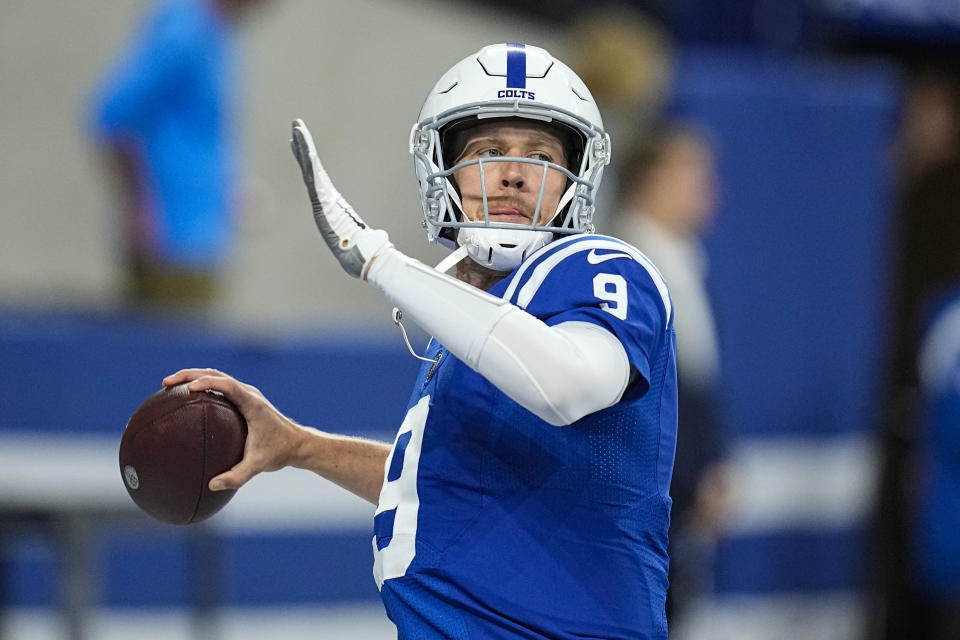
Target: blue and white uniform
{"points": [[493, 524]]}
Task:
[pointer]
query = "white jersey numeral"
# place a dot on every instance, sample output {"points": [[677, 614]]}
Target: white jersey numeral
{"points": [[612, 288], [395, 520]]}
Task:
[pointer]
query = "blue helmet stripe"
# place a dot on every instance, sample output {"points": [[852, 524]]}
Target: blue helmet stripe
{"points": [[516, 66]]}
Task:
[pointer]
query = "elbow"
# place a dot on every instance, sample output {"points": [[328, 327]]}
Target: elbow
{"points": [[589, 383], [578, 393], [560, 407], [564, 414], [560, 374]]}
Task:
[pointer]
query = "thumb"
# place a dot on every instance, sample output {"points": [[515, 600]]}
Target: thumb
{"points": [[302, 151], [232, 479]]}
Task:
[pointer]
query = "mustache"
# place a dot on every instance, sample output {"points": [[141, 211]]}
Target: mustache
{"points": [[506, 202], [527, 208]]}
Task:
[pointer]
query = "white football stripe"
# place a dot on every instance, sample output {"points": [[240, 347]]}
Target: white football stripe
{"points": [[780, 484], [515, 282], [837, 615], [542, 270], [289, 622], [66, 472], [805, 483]]}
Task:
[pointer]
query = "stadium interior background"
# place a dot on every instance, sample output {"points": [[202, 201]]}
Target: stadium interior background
{"points": [[803, 100]]}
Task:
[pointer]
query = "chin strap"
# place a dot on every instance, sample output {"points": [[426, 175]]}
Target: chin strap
{"points": [[443, 266], [454, 258]]}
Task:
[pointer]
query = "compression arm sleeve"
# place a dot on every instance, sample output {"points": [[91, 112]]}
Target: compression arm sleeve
{"points": [[559, 373]]}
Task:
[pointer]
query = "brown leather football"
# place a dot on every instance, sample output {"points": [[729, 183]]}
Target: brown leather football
{"points": [[172, 445]]}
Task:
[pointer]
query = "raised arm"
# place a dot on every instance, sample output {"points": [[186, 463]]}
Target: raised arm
{"points": [[559, 373]]}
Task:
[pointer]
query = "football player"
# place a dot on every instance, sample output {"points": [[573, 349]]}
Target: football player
{"points": [[526, 494]]}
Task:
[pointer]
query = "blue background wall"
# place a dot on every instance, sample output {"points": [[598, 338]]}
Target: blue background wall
{"points": [[799, 259]]}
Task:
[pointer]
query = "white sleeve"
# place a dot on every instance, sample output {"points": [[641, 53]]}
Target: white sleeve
{"points": [[559, 373]]}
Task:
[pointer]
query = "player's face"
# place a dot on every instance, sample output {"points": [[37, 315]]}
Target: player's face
{"points": [[512, 187]]}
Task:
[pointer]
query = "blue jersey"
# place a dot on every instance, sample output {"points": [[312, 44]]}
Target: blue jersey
{"points": [[493, 524]]}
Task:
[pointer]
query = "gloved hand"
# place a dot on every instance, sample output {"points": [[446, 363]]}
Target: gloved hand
{"points": [[352, 242]]}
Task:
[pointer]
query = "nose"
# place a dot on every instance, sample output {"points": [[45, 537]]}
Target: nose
{"points": [[512, 175]]}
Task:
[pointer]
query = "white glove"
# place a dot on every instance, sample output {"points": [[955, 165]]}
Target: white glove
{"points": [[353, 243]]}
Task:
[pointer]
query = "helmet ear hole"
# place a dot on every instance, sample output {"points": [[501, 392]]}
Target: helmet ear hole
{"points": [[448, 233]]}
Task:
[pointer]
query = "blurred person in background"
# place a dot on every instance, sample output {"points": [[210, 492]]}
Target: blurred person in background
{"points": [[626, 58], [928, 177], [935, 519], [164, 115], [669, 197], [926, 267]]}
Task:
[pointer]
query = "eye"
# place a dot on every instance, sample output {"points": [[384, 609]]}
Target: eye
{"points": [[490, 153], [541, 156]]}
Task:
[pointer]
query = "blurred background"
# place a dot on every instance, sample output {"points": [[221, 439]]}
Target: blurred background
{"points": [[790, 164]]}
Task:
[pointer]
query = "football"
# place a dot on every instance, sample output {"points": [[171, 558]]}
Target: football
{"points": [[173, 444]]}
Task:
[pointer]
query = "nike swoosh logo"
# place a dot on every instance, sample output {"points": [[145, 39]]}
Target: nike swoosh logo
{"points": [[596, 258]]}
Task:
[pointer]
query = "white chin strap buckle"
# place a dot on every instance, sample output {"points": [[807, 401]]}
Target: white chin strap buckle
{"points": [[501, 249]]}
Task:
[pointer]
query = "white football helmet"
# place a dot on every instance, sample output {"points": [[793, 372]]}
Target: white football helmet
{"points": [[508, 81]]}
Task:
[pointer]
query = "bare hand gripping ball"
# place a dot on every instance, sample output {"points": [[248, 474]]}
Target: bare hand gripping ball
{"points": [[172, 445]]}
